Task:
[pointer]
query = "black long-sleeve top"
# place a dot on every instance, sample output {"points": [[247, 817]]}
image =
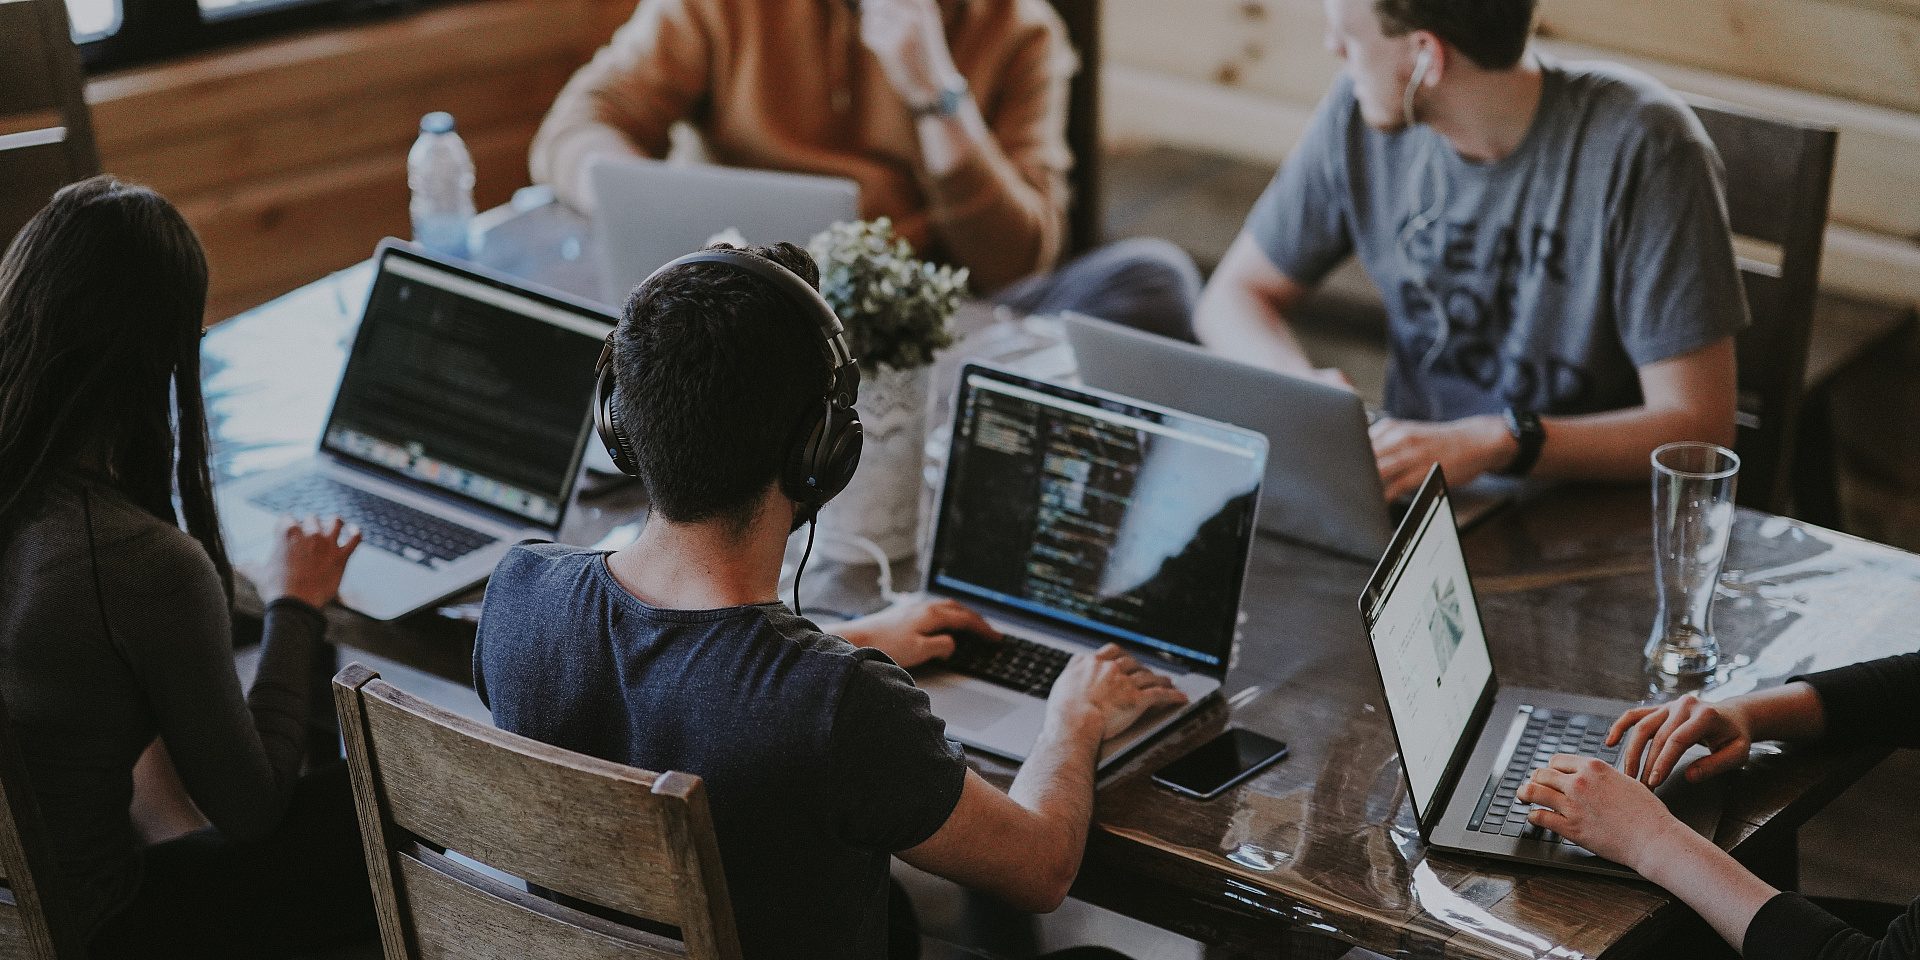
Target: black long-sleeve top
{"points": [[1873, 702], [114, 630]]}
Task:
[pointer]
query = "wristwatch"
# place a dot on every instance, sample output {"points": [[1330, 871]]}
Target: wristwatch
{"points": [[1531, 436], [947, 104]]}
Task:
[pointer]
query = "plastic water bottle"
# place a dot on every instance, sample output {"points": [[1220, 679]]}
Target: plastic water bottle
{"points": [[440, 173]]}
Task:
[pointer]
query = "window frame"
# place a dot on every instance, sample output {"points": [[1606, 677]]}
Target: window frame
{"points": [[151, 31]]}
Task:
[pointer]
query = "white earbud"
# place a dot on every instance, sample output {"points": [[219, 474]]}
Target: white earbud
{"points": [[1420, 68]]}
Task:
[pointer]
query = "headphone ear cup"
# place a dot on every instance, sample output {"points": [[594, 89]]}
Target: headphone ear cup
{"points": [[798, 476], [845, 440], [606, 416], [621, 449]]}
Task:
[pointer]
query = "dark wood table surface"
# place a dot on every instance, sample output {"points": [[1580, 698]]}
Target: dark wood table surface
{"points": [[1323, 844]]}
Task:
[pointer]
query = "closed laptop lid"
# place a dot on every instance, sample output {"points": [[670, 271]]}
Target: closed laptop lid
{"points": [[470, 384], [1116, 519], [1322, 486], [650, 212], [1430, 648]]}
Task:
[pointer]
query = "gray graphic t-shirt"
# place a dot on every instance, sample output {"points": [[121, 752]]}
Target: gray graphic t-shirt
{"points": [[1542, 281]]}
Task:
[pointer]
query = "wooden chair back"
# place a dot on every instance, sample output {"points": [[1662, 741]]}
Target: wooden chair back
{"points": [[34, 920], [1779, 179], [46, 130], [626, 842], [1084, 209]]}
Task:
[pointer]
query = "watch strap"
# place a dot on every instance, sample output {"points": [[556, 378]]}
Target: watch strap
{"points": [[1528, 432], [947, 104]]}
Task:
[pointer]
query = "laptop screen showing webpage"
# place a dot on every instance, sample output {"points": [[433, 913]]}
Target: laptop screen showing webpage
{"points": [[1129, 522], [1433, 656], [469, 386]]}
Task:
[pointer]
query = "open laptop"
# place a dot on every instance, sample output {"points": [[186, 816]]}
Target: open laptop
{"points": [[651, 212], [1467, 743], [456, 431], [1321, 487], [1072, 519]]}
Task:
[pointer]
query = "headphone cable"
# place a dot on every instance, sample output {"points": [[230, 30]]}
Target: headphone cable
{"points": [[812, 524]]}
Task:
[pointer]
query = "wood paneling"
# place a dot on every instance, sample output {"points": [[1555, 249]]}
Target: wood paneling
{"points": [[1865, 52], [289, 156]]}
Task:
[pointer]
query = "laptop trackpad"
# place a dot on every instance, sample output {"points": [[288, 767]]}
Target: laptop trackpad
{"points": [[1697, 805], [969, 707]]}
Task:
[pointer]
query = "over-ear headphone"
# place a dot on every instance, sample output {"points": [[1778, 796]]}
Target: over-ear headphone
{"points": [[825, 449]]}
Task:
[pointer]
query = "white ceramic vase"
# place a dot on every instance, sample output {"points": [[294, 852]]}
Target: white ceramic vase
{"points": [[882, 504]]}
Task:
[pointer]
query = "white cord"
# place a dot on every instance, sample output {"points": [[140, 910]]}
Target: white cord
{"points": [[866, 546], [879, 559]]}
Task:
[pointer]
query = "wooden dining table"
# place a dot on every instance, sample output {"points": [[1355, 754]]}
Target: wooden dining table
{"points": [[1319, 851]]}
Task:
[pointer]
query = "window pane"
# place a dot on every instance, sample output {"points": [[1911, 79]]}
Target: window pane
{"points": [[222, 9], [93, 19]]}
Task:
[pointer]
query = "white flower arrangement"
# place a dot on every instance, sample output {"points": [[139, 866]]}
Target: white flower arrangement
{"points": [[895, 308]]}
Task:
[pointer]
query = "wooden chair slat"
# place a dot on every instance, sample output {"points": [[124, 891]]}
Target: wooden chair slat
{"points": [[462, 793], [630, 841], [475, 917]]}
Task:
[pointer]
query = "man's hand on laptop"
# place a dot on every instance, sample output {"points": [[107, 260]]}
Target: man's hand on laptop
{"points": [[913, 632], [1107, 691], [309, 558], [1407, 449]]}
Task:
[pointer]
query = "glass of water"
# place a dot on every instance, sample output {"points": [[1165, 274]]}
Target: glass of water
{"points": [[1692, 518]]}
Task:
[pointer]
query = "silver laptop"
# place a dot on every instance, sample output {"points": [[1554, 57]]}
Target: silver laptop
{"points": [[651, 212], [456, 431], [1322, 486], [1467, 743], [1072, 519]]}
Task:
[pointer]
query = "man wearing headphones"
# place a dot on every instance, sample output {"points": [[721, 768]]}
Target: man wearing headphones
{"points": [[1550, 239], [729, 391]]}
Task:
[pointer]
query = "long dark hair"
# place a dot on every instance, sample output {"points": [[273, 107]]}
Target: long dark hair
{"points": [[102, 296]]}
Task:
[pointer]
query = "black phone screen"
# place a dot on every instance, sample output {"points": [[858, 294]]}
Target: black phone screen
{"points": [[1220, 763]]}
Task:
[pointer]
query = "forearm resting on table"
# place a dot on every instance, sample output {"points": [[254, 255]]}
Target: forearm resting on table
{"points": [[1708, 879], [1790, 712], [1024, 846], [1689, 397]]}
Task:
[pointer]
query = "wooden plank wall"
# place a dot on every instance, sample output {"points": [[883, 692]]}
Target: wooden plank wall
{"points": [[289, 156], [1243, 76]]}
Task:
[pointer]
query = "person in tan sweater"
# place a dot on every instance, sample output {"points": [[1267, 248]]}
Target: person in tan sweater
{"points": [[950, 114]]}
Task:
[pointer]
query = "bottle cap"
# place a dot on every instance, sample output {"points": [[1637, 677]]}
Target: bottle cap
{"points": [[438, 121]]}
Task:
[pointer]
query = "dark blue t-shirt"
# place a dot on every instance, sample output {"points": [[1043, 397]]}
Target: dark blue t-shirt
{"points": [[820, 759]]}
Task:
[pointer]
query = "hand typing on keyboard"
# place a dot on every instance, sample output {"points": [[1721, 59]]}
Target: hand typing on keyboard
{"points": [[309, 558], [1609, 813], [1107, 691], [913, 632]]}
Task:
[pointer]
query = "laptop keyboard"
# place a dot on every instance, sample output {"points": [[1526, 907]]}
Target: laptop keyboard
{"points": [[1013, 662], [396, 528], [1547, 732]]}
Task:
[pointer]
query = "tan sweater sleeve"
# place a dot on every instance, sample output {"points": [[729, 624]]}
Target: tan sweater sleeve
{"points": [[1002, 212], [652, 74]]}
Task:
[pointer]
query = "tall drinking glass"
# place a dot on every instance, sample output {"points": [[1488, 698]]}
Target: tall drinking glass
{"points": [[1692, 518]]}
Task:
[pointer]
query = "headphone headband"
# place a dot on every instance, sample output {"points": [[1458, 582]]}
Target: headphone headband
{"points": [[822, 457], [798, 292]]}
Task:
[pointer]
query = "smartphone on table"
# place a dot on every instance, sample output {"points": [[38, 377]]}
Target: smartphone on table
{"points": [[1220, 763]]}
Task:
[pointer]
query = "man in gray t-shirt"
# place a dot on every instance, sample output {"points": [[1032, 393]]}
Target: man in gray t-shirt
{"points": [[1550, 239]]}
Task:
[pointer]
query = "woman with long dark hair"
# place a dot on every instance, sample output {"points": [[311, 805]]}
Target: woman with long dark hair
{"points": [[115, 606]]}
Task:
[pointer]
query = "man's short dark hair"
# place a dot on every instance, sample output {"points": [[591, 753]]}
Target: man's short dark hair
{"points": [[1492, 33], [716, 368]]}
